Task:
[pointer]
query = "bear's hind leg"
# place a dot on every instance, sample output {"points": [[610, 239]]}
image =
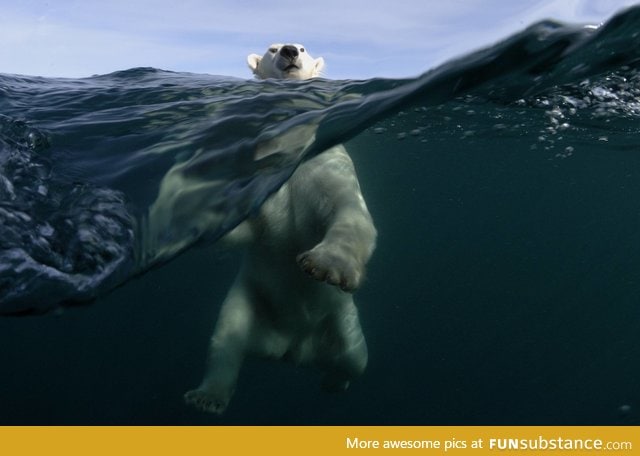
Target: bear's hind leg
{"points": [[343, 351], [227, 350]]}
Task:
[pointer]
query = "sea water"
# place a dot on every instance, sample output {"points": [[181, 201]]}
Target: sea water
{"points": [[505, 288]]}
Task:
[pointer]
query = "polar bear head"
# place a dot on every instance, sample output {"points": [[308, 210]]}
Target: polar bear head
{"points": [[285, 61]]}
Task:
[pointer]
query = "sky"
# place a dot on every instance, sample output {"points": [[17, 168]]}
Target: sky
{"points": [[358, 38]]}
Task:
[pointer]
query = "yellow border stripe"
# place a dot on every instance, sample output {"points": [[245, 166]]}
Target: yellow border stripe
{"points": [[311, 440]]}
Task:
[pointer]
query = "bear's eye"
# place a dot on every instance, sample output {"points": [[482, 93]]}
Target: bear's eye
{"points": [[273, 50], [301, 49]]}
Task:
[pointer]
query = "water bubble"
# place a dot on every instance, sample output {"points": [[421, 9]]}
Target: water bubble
{"points": [[46, 230], [36, 140], [555, 112], [566, 153], [602, 93]]}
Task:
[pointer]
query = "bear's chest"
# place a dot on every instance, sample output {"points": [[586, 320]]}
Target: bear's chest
{"points": [[285, 225]]}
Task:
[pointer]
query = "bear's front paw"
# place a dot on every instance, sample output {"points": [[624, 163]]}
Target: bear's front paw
{"points": [[207, 401], [332, 265]]}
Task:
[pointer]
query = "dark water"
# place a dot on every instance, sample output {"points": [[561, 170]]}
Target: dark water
{"points": [[505, 288]]}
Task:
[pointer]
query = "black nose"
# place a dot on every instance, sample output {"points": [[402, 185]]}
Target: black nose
{"points": [[289, 52]]}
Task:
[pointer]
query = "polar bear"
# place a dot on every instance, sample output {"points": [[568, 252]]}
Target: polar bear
{"points": [[306, 252]]}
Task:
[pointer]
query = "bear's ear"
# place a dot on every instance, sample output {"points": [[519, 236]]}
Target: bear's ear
{"points": [[318, 66], [254, 60]]}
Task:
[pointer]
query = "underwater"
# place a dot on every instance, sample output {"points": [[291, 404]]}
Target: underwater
{"points": [[504, 290]]}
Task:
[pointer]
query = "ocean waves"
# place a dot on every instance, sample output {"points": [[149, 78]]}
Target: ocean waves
{"points": [[105, 177]]}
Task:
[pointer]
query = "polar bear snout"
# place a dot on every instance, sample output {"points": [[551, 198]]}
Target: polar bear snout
{"points": [[289, 52], [287, 60]]}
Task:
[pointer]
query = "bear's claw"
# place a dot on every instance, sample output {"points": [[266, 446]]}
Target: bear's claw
{"points": [[205, 401], [331, 267]]}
